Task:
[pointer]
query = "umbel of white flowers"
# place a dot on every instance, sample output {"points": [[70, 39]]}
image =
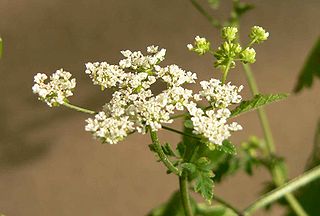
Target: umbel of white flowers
{"points": [[135, 108]]}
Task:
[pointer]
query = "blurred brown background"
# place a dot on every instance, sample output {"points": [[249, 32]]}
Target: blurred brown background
{"points": [[50, 166]]}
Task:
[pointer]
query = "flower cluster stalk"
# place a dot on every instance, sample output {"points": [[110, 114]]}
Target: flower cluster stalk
{"points": [[277, 174]]}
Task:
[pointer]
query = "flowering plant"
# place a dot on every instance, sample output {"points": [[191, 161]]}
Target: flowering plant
{"points": [[208, 117]]}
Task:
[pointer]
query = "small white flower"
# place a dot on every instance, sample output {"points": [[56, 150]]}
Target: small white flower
{"points": [[56, 91]]}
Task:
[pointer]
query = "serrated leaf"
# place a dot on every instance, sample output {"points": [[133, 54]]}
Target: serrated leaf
{"points": [[173, 207], [258, 101], [167, 149], [204, 185], [190, 167], [227, 147], [310, 70], [181, 148]]}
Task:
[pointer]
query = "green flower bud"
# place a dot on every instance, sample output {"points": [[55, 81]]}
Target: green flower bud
{"points": [[226, 53], [201, 45], [229, 33], [248, 55], [258, 34]]}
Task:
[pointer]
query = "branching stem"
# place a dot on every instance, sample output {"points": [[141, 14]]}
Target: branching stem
{"points": [[79, 109], [163, 157]]}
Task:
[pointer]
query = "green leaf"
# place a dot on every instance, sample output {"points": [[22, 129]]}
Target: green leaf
{"points": [[204, 185], [151, 147], [173, 207], [188, 124], [203, 180], [310, 69], [181, 148], [258, 101], [227, 147], [167, 149]]}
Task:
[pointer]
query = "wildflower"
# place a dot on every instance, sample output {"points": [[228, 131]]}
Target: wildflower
{"points": [[56, 91]]}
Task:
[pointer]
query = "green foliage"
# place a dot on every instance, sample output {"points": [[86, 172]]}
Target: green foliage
{"points": [[258, 101], [308, 195], [310, 69], [203, 181], [227, 147]]}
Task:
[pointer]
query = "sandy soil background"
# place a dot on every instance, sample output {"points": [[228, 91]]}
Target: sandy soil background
{"points": [[50, 166]]}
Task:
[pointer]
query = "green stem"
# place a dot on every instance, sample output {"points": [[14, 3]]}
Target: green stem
{"points": [[180, 132], [215, 23], [277, 175], [285, 189], [228, 205], [225, 72], [184, 193], [163, 157], [79, 109], [262, 114]]}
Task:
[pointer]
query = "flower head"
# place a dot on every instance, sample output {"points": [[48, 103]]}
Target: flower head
{"points": [[201, 45], [56, 91], [258, 34]]}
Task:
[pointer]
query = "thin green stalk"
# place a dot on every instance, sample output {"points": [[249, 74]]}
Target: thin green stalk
{"points": [[225, 72], [228, 205], [285, 189], [179, 132], [215, 23], [79, 109], [262, 114], [277, 175], [184, 193], [163, 157]]}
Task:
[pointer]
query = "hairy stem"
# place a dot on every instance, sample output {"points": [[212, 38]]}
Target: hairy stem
{"points": [[184, 193], [163, 157], [284, 190], [79, 109]]}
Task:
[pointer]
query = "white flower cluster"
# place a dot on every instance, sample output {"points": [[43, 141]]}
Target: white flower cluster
{"points": [[133, 102], [134, 107], [212, 124], [57, 90], [220, 95]]}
